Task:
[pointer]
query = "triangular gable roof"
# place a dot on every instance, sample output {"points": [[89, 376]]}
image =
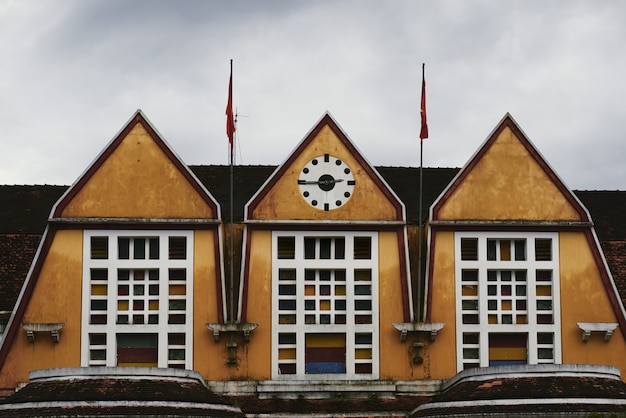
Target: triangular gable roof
{"points": [[57, 210], [508, 122], [138, 118], [327, 121], [584, 219]]}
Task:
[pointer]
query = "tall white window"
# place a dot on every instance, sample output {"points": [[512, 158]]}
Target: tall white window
{"points": [[137, 298], [507, 304], [325, 305]]}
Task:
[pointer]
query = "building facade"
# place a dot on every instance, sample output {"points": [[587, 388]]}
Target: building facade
{"points": [[312, 285]]}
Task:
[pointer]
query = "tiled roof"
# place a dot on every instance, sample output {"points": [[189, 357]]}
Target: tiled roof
{"points": [[138, 393], [25, 209], [16, 254], [551, 389]]}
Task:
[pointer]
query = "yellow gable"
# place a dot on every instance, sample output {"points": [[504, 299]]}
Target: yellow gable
{"points": [[282, 198], [508, 180], [136, 178]]}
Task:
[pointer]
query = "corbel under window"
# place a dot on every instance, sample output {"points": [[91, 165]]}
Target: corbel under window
{"points": [[588, 327], [429, 327], [53, 329]]}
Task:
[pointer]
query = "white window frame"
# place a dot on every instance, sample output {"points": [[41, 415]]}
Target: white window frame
{"points": [[300, 328], [112, 264], [531, 328]]}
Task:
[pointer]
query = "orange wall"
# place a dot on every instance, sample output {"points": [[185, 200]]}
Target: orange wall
{"points": [[56, 299], [207, 355], [254, 357], [390, 310], [440, 356], [584, 299]]}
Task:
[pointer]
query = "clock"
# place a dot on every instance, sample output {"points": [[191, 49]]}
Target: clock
{"points": [[326, 182]]}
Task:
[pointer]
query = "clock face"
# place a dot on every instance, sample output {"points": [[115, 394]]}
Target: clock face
{"points": [[326, 182]]}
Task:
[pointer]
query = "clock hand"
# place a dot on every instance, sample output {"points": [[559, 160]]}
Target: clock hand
{"points": [[320, 181]]}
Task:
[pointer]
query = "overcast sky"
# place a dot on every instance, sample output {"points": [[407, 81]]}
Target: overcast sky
{"points": [[72, 72]]}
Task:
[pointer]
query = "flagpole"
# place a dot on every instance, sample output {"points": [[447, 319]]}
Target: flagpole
{"points": [[231, 291], [423, 135]]}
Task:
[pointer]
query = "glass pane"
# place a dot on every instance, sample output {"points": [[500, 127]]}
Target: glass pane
{"points": [[287, 305], [289, 289], [520, 250], [505, 250], [123, 245], [469, 275], [469, 248], [286, 247], [325, 248], [177, 248], [543, 249], [286, 274], [362, 248], [470, 305], [340, 248], [154, 248], [309, 248], [99, 274], [177, 274], [99, 248], [139, 248], [491, 249], [470, 338], [545, 353], [470, 353]]}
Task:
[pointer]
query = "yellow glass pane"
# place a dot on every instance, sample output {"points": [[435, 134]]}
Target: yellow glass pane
{"points": [[506, 305], [177, 289], [287, 354], [493, 319], [340, 290], [325, 340], [505, 250], [286, 319], [98, 289], [325, 305], [309, 290], [137, 364], [153, 305], [522, 319], [544, 290], [122, 305], [363, 353], [470, 290]]}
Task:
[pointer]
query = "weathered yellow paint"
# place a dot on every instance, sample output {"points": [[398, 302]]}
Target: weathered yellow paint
{"points": [[584, 299], [390, 311], [440, 356], [507, 184], [255, 356], [285, 201], [125, 185], [56, 299], [205, 350]]}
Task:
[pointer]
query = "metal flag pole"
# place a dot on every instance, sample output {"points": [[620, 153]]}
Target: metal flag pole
{"points": [[231, 291], [423, 135]]}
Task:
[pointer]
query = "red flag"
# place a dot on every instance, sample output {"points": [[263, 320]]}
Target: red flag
{"points": [[230, 119], [424, 130]]}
